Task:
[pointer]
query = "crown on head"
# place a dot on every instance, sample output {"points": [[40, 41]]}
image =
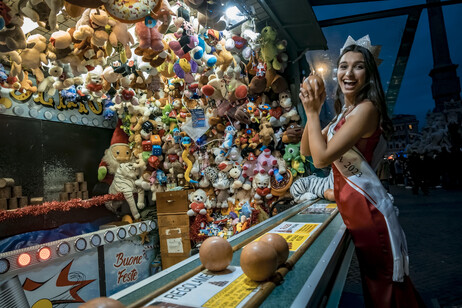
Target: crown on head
{"points": [[365, 42]]}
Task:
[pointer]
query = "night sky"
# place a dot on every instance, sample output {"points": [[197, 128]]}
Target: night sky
{"points": [[415, 95]]}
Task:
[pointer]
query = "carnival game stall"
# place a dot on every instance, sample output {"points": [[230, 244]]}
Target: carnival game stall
{"points": [[138, 130]]}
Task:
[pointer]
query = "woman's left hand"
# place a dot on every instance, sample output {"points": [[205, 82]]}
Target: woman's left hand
{"points": [[312, 98]]}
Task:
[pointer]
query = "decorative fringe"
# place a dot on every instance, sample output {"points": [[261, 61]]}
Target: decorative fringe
{"points": [[36, 210]]}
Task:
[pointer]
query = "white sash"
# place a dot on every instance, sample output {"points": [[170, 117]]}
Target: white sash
{"points": [[362, 178]]}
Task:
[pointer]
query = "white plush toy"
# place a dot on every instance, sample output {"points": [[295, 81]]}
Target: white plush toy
{"points": [[199, 203]]}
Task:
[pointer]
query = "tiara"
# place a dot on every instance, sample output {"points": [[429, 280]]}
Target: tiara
{"points": [[365, 42]]}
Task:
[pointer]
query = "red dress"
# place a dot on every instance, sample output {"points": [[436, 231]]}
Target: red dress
{"points": [[369, 231]]}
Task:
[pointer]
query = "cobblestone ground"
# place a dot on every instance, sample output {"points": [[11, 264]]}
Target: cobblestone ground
{"points": [[433, 227]]}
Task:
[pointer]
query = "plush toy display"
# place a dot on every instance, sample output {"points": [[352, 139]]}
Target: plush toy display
{"points": [[197, 107]]}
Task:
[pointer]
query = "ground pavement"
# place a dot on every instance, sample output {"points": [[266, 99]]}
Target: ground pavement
{"points": [[433, 226]]}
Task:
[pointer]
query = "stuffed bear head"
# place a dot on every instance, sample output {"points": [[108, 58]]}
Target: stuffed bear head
{"points": [[199, 196]]}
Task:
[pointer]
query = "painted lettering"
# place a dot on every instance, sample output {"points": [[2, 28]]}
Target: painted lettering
{"points": [[125, 276], [121, 260]]}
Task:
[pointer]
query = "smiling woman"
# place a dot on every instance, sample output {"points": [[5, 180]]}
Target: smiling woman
{"points": [[352, 142]]}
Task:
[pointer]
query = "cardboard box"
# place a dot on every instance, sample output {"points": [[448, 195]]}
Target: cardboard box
{"points": [[169, 260], [175, 240], [172, 202]]}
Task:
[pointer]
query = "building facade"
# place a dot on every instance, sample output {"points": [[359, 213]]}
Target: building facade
{"points": [[406, 131]]}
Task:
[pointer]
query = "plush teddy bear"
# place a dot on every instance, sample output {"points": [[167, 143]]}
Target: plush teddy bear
{"points": [[222, 185], [199, 203], [92, 25], [33, 56], [261, 185], [11, 36]]}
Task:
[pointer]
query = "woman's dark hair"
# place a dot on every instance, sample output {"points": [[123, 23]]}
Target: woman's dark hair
{"points": [[372, 89]]}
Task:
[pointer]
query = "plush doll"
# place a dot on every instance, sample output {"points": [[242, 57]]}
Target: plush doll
{"points": [[92, 25], [266, 132], [275, 82], [33, 56], [222, 185], [239, 181], [266, 162], [124, 182], [117, 153], [94, 83], [120, 39], [261, 185], [43, 11], [64, 78], [11, 36], [270, 48], [215, 88], [292, 134], [125, 97], [295, 159], [249, 168], [199, 203], [186, 38]]}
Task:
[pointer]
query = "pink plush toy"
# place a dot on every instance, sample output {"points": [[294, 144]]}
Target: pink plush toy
{"points": [[249, 168], [266, 162], [149, 37], [187, 38]]}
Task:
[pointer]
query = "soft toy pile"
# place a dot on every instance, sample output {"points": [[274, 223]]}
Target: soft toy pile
{"points": [[201, 108]]}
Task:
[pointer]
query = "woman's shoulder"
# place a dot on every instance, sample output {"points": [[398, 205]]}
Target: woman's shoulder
{"points": [[365, 109]]}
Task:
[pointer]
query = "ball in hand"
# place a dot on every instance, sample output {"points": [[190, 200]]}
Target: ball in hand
{"points": [[311, 80]]}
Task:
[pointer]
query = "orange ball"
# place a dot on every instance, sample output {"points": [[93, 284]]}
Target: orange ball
{"points": [[216, 253], [311, 79], [259, 260], [279, 244], [102, 302]]}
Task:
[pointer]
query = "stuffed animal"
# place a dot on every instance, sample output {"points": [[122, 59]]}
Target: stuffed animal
{"points": [[261, 185], [249, 168], [222, 185], [266, 162], [33, 56], [295, 159], [120, 39], [186, 38], [270, 48], [124, 182], [290, 113], [92, 25], [199, 203], [11, 36]]}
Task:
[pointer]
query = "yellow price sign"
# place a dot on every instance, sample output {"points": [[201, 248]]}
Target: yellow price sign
{"points": [[234, 294], [331, 206]]}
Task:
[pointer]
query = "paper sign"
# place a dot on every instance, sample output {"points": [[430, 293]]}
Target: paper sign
{"points": [[230, 288], [198, 118], [175, 245], [295, 233]]}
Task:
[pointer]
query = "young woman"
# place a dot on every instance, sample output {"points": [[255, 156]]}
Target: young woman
{"points": [[349, 143]]}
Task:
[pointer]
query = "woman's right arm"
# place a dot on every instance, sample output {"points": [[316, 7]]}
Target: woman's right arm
{"points": [[305, 142]]}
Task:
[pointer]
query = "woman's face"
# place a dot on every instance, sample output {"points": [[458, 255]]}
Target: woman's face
{"points": [[351, 73]]}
